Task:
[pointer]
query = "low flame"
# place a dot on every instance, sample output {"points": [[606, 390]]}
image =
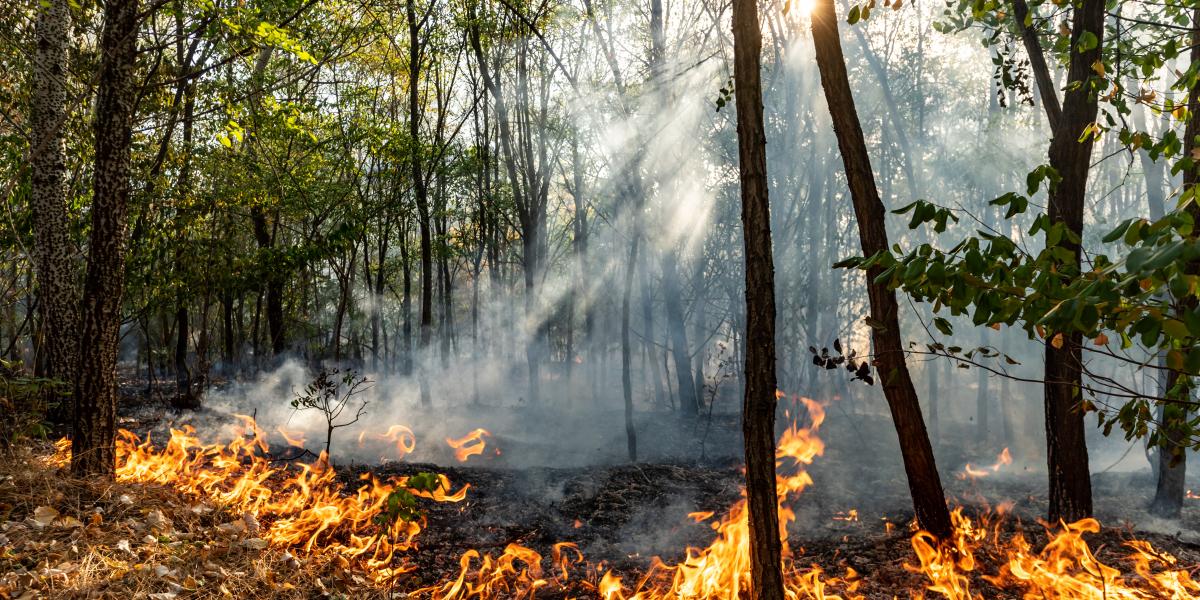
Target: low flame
{"points": [[306, 508], [1003, 460], [469, 445], [1066, 568], [850, 516], [402, 440], [295, 440]]}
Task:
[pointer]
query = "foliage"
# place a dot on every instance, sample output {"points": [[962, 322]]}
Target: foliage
{"points": [[330, 394]]}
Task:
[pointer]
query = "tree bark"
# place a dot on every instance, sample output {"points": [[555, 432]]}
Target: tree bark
{"points": [[1037, 64], [53, 253], [1070, 479], [758, 403], [93, 435], [923, 481]]}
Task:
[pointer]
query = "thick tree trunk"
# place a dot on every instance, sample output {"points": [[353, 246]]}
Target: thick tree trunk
{"points": [[57, 293], [924, 483], [1070, 479], [758, 406], [94, 431]]}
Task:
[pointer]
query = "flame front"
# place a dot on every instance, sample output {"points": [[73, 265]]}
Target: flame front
{"points": [[1065, 569], [305, 507]]}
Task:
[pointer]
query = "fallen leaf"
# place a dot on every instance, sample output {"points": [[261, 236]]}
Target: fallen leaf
{"points": [[44, 515]]}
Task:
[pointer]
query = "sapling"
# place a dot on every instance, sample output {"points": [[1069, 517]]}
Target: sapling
{"points": [[330, 393]]}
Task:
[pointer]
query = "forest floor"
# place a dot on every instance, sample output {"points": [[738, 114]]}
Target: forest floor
{"points": [[62, 537]]}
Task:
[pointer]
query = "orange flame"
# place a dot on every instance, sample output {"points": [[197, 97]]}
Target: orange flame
{"points": [[469, 445], [305, 508], [721, 570], [401, 438], [295, 440], [969, 472], [1066, 568]]}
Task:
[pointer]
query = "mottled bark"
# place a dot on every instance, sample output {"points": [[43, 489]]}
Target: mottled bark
{"points": [[53, 253], [94, 431]]}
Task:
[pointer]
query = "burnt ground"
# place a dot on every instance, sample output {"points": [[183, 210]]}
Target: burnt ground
{"points": [[623, 514]]}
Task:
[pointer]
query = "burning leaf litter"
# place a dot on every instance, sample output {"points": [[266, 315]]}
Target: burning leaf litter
{"points": [[279, 510]]}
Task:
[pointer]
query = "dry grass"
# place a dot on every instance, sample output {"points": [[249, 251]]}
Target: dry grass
{"points": [[61, 537]]}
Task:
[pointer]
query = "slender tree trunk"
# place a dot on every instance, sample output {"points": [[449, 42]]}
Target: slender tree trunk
{"points": [[923, 481], [758, 406], [93, 434], [627, 351], [57, 292], [1070, 479], [689, 401], [1037, 63], [420, 192], [1173, 448]]}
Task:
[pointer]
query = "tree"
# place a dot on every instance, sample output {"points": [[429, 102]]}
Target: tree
{"points": [[94, 431], [924, 484], [758, 403], [53, 252], [1070, 157], [1170, 489]]}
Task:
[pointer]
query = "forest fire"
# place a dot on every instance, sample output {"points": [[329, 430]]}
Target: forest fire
{"points": [[308, 509], [469, 445]]}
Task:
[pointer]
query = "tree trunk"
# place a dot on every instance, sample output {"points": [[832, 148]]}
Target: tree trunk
{"points": [[93, 434], [53, 252], [1173, 448], [923, 481], [1070, 479], [183, 375], [627, 351], [689, 402], [758, 404], [420, 191]]}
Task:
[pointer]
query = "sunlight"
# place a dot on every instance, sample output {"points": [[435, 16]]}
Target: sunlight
{"points": [[804, 8]]}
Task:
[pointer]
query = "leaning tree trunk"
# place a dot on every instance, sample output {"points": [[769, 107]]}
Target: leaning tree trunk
{"points": [[1173, 448], [758, 404], [57, 296], [923, 481], [94, 431], [1070, 156]]}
